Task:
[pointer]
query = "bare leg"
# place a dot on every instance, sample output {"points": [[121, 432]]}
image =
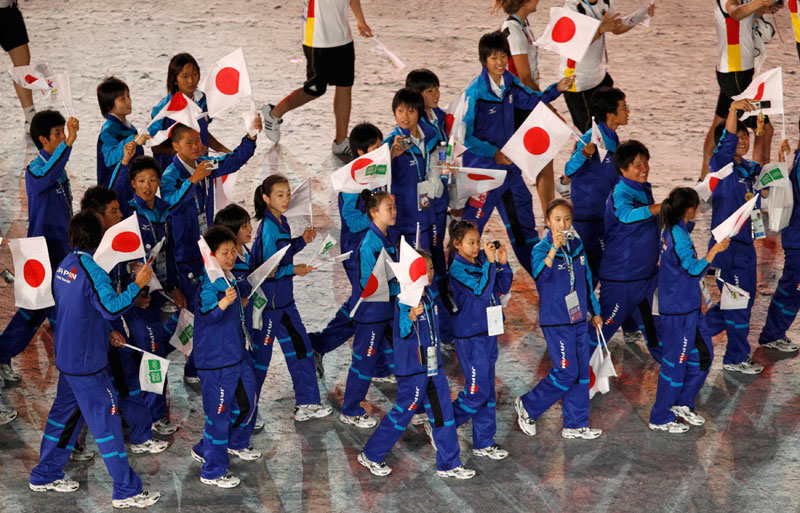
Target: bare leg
{"points": [[761, 145], [293, 100], [341, 109], [21, 56], [545, 186], [708, 146]]}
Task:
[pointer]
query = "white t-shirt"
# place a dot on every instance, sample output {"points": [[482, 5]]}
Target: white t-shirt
{"points": [[520, 42], [325, 23], [735, 38], [591, 70]]}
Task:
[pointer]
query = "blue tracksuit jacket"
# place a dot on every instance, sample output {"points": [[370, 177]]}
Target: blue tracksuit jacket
{"points": [[50, 200], [274, 235], [592, 180], [114, 135], [679, 272], [219, 339], [372, 244], [476, 287]]}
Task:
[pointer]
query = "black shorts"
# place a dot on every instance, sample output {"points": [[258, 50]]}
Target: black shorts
{"points": [[12, 28], [730, 85], [329, 66], [579, 104]]}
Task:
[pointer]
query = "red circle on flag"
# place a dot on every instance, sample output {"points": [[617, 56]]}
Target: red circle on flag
{"points": [[592, 377], [372, 286], [178, 102], [417, 269], [563, 30], [759, 92], [227, 80], [225, 177], [536, 140], [449, 119], [479, 178], [34, 273], [358, 165], [125, 242], [29, 79]]}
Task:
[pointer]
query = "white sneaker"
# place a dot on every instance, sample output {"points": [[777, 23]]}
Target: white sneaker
{"points": [[7, 416], [632, 337], [526, 423], [670, 427], [378, 469], [151, 446], [164, 427], [272, 125], [493, 452], [191, 380], [458, 473], [429, 432], [81, 453], [8, 374], [342, 149], [364, 421], [248, 454], [688, 415], [143, 500], [783, 345], [318, 363], [226, 481], [746, 367], [386, 379], [419, 419], [303, 412], [259, 425], [585, 433], [564, 189], [59, 485], [196, 457]]}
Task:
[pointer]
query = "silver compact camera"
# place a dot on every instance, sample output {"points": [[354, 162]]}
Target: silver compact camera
{"points": [[568, 234]]}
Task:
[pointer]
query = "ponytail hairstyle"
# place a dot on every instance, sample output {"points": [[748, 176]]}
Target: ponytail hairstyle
{"points": [[508, 6], [680, 200], [373, 200], [558, 202], [266, 188], [458, 229]]}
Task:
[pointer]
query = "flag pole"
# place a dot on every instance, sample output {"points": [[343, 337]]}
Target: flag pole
{"points": [[353, 311], [783, 124]]}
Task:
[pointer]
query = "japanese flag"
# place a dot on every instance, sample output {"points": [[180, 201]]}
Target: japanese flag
{"points": [[767, 86], [731, 226], [706, 187], [223, 190], [597, 139], [180, 109], [183, 338], [36, 77], [412, 274], [153, 373], [300, 203], [537, 141], [377, 288], [121, 243], [210, 262], [34, 277], [257, 277], [569, 33], [369, 171], [227, 83], [601, 368], [470, 181]]}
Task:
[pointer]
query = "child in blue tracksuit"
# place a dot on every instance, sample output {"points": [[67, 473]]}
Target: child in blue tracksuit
{"points": [[49, 211], [117, 132], [786, 300], [183, 76], [687, 349], [85, 303], [492, 97], [421, 383], [275, 315], [226, 375], [563, 276], [372, 319], [737, 265], [477, 279], [629, 266]]}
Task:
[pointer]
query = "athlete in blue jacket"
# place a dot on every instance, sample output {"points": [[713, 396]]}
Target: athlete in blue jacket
{"points": [[226, 374], [85, 303], [786, 299], [477, 278], [737, 265], [492, 97], [561, 270], [275, 314], [421, 383], [687, 348]]}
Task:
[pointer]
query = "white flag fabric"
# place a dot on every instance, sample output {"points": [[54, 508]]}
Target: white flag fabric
{"points": [[412, 274], [731, 226], [781, 205], [397, 62], [569, 33], [733, 297], [767, 86], [326, 246], [369, 171], [471, 181], [639, 16], [34, 277], [210, 262], [223, 190], [36, 77], [180, 109], [300, 203], [121, 243], [597, 139], [537, 141], [152, 373], [601, 368], [154, 284], [377, 287], [257, 277], [774, 174], [227, 82], [454, 123], [62, 91], [706, 187], [183, 338]]}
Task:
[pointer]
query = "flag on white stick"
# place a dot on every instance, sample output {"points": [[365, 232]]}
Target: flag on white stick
{"points": [[569, 33], [396, 61], [733, 297], [537, 141], [368, 171], [34, 277], [300, 203], [210, 262], [180, 109], [326, 246], [774, 174], [227, 83], [706, 187], [601, 368], [36, 77], [121, 243], [597, 139], [471, 181], [154, 284], [412, 274], [768, 86], [152, 373], [223, 190], [455, 126], [183, 338], [639, 16], [377, 287], [731, 226], [257, 277]]}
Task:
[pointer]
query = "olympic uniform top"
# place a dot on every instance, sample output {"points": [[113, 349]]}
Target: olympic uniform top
{"points": [[199, 98], [274, 234], [325, 23], [114, 135], [413, 338], [591, 70], [50, 200], [592, 179], [219, 338], [475, 287], [679, 272], [737, 51], [374, 241], [520, 39]]}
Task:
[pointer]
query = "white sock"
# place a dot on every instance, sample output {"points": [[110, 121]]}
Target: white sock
{"points": [[29, 112]]}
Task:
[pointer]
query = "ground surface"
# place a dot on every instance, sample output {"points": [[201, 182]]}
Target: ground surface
{"points": [[744, 459]]}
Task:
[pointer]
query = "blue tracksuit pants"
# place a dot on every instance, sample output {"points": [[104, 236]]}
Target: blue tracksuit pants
{"points": [[20, 331], [147, 333], [189, 275], [124, 369], [370, 342], [477, 357], [786, 300]]}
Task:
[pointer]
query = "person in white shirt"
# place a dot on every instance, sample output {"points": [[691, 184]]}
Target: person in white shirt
{"points": [[14, 41]]}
